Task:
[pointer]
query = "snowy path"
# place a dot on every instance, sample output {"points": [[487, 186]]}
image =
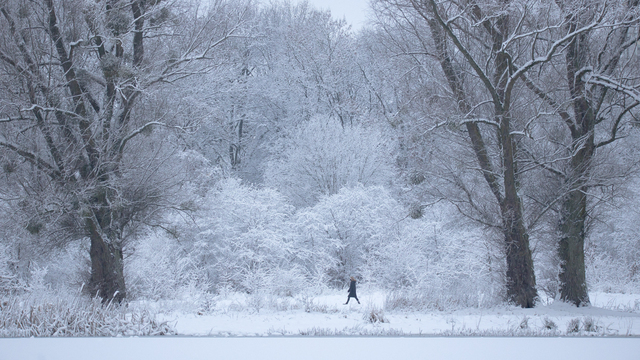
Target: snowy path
{"points": [[281, 348]]}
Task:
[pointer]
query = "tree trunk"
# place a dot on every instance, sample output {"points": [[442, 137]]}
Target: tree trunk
{"points": [[521, 281], [107, 267], [573, 217], [573, 285]]}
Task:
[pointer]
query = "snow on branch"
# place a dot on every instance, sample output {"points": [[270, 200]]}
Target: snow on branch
{"points": [[480, 121], [597, 79], [136, 132], [32, 158], [552, 51], [10, 119], [49, 109], [481, 74]]}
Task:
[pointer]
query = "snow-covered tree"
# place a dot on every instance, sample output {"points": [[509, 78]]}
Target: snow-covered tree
{"points": [[345, 231], [82, 81], [244, 241], [320, 157], [294, 61]]}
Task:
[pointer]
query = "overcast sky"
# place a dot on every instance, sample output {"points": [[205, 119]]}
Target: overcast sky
{"points": [[354, 11]]}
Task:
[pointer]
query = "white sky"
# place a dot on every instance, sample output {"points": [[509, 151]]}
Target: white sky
{"points": [[354, 11]]}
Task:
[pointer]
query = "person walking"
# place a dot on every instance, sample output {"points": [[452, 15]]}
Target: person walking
{"points": [[352, 291]]}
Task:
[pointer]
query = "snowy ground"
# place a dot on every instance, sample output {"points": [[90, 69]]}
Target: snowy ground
{"points": [[241, 327], [610, 315]]}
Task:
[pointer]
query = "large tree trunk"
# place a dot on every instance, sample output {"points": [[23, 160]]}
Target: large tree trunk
{"points": [[573, 285], [586, 101], [573, 216], [107, 266], [521, 279]]}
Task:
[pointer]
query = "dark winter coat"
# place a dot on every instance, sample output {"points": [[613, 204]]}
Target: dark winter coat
{"points": [[352, 289]]}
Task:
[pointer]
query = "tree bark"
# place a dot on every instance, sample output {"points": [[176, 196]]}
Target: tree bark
{"points": [[573, 215], [521, 280], [107, 266], [573, 284]]}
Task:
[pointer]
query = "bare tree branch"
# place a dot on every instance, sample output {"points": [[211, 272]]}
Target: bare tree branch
{"points": [[35, 160]]}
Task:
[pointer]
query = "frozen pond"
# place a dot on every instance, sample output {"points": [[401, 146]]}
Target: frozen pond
{"points": [[283, 348]]}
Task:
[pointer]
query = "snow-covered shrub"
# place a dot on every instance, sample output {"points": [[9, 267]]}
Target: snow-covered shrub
{"points": [[160, 268], [614, 266], [37, 284], [9, 281], [436, 261], [288, 281], [612, 251], [67, 267], [316, 250], [62, 269], [451, 265], [320, 157], [310, 305], [244, 240], [374, 315], [162, 263], [344, 234], [573, 326], [549, 324], [237, 238], [589, 324]]}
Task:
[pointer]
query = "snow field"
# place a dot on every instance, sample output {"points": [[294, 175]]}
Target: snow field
{"points": [[250, 327], [325, 315]]}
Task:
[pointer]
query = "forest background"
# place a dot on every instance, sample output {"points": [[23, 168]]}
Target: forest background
{"points": [[452, 154]]}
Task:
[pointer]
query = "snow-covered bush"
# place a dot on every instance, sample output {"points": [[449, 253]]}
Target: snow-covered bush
{"points": [[60, 269], [67, 267], [244, 240], [614, 266], [320, 157], [9, 281], [160, 268], [238, 238], [400, 261], [612, 251], [448, 264], [374, 315], [437, 261], [344, 233]]}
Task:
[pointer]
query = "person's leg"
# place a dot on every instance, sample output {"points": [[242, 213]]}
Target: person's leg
{"points": [[357, 299], [348, 298]]}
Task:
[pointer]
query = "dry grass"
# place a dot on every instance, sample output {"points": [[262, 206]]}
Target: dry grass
{"points": [[77, 316]]}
